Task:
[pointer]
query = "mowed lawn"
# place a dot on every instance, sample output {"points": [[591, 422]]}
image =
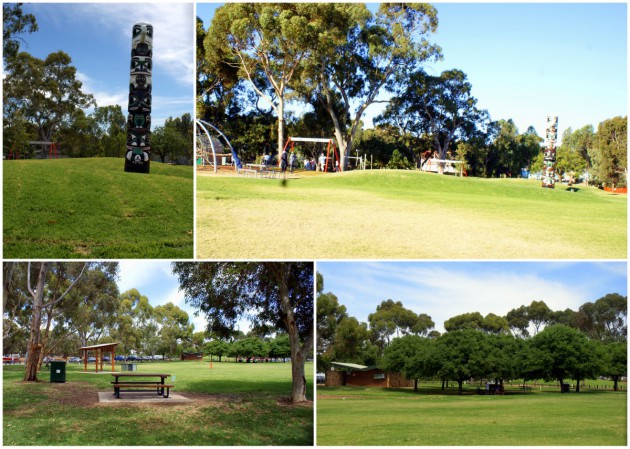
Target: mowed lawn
{"points": [[91, 208], [233, 404], [392, 214], [362, 417]]}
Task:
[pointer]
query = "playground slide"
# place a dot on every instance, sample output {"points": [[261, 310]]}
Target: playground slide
{"points": [[236, 159]]}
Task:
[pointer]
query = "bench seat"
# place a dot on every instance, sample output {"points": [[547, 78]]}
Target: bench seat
{"points": [[157, 385]]}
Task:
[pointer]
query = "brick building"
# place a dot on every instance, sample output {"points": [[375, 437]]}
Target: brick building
{"points": [[353, 375]]}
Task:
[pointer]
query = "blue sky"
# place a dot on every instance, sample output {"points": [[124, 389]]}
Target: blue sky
{"points": [[445, 289], [97, 36], [155, 280], [528, 61]]}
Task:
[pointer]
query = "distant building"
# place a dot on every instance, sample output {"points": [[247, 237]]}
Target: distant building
{"points": [[198, 356], [353, 375]]}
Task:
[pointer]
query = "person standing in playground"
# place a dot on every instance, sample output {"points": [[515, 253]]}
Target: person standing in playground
{"points": [[291, 162], [322, 161], [283, 161]]}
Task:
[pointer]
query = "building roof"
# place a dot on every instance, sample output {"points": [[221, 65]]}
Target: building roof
{"points": [[353, 366]]}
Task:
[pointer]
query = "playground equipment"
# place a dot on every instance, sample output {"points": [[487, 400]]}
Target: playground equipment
{"points": [[52, 148], [549, 168], [450, 167], [332, 153], [211, 144], [137, 157]]}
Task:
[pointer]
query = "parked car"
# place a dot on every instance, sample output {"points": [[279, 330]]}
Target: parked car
{"points": [[133, 358], [91, 359], [74, 359], [119, 358], [106, 359]]}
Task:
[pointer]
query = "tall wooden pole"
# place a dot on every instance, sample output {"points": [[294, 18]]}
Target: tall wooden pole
{"points": [[137, 157], [549, 164]]}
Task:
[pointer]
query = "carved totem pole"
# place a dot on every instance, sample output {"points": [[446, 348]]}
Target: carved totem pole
{"points": [[549, 164], [139, 119]]}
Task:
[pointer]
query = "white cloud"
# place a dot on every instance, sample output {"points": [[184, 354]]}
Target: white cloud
{"points": [[173, 25], [443, 290]]}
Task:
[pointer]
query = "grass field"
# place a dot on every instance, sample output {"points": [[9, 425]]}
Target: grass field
{"points": [[391, 214], [362, 417], [91, 208], [234, 404]]}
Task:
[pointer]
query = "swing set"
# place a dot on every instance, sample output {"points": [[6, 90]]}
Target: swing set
{"points": [[332, 153], [53, 150]]}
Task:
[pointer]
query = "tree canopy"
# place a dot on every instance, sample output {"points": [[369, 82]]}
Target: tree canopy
{"points": [[271, 295]]}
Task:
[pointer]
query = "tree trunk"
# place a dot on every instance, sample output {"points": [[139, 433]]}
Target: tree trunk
{"points": [[415, 385], [298, 352], [34, 345], [577, 386], [616, 384], [280, 128], [461, 386], [7, 271]]}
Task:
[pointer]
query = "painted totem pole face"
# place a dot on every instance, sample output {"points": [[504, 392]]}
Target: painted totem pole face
{"points": [[138, 145], [549, 166]]}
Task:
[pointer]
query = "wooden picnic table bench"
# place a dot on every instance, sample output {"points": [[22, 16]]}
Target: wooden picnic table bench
{"points": [[159, 385]]}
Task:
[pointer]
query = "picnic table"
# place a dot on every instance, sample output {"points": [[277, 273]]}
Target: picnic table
{"points": [[130, 386]]}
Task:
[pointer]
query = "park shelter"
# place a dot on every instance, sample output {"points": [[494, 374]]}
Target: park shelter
{"points": [[354, 375], [99, 350], [192, 356]]}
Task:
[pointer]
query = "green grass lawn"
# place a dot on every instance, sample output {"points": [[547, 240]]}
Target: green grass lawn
{"points": [[362, 417], [405, 214], [234, 404], [91, 208]]}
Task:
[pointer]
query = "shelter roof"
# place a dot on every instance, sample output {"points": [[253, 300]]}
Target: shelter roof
{"points": [[104, 345]]}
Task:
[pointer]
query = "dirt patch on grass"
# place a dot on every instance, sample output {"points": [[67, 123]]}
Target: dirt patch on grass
{"points": [[73, 393], [286, 402]]}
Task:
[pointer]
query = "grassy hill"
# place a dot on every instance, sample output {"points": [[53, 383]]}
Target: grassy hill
{"points": [[393, 214], [91, 208]]}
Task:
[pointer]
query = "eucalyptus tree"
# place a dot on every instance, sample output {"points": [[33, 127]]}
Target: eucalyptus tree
{"points": [[272, 295], [54, 281], [46, 93], [441, 107], [14, 24], [392, 318], [329, 315], [174, 328], [605, 319], [362, 55], [88, 311], [610, 155], [267, 43]]}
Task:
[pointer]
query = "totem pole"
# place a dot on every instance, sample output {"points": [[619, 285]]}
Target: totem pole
{"points": [[549, 164], [139, 118]]}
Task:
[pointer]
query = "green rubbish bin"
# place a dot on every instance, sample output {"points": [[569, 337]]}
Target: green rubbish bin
{"points": [[58, 372], [566, 388]]}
